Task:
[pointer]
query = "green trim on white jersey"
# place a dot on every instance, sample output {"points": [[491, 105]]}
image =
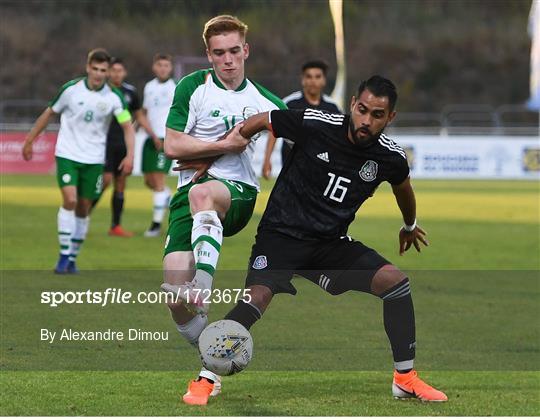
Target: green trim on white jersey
{"points": [[121, 96], [178, 114], [63, 88], [222, 86], [269, 95], [89, 88], [85, 118], [204, 109]]}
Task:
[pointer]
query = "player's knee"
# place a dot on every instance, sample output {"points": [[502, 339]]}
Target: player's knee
{"points": [[149, 181], [386, 278], [200, 196], [70, 203]]}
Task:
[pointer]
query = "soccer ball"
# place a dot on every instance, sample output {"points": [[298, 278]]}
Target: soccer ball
{"points": [[226, 347]]}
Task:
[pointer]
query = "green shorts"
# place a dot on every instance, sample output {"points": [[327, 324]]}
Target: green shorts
{"points": [[243, 197], [154, 161], [88, 178]]}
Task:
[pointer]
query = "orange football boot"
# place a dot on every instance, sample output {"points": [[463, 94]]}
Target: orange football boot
{"points": [[119, 231], [199, 391], [409, 385]]}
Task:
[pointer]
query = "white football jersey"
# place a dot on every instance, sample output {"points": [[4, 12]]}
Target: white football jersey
{"points": [[158, 98], [205, 109], [85, 119]]}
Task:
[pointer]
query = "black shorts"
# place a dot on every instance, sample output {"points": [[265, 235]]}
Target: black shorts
{"points": [[336, 265], [116, 151]]}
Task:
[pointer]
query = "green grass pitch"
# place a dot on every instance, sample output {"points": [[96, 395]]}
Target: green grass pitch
{"points": [[476, 291]]}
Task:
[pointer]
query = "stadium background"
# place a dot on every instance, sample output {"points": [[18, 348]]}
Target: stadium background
{"points": [[462, 70]]}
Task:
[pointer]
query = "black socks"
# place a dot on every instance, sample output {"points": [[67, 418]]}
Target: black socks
{"points": [[244, 313], [398, 313]]}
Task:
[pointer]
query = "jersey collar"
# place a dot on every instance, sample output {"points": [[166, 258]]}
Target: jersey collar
{"points": [[90, 89], [310, 104], [221, 86]]}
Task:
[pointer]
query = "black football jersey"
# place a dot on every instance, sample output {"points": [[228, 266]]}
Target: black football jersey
{"points": [[297, 100], [116, 134], [327, 178]]}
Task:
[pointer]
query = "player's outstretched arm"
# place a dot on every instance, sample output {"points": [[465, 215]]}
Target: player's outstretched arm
{"points": [[410, 233], [182, 146], [142, 120], [129, 138], [256, 124], [267, 164], [40, 125]]}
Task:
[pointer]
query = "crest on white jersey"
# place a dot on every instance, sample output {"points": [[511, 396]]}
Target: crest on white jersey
{"points": [[369, 171], [260, 262]]}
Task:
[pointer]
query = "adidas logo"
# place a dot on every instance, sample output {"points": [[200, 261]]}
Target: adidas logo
{"points": [[324, 156]]}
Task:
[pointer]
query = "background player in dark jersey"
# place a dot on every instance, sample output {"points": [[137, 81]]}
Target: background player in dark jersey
{"points": [[336, 164], [311, 96], [116, 148]]}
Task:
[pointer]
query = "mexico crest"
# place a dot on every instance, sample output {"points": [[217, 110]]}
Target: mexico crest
{"points": [[369, 171], [260, 262]]}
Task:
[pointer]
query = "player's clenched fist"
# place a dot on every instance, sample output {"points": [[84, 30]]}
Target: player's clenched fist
{"points": [[233, 141], [27, 151]]}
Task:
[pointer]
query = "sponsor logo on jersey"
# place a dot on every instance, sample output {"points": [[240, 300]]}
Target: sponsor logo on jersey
{"points": [[260, 262], [324, 156], [369, 171]]}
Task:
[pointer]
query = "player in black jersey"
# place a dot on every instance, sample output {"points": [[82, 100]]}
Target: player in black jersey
{"points": [[311, 96], [116, 149], [338, 162]]}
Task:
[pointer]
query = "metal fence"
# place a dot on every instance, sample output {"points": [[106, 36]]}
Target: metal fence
{"points": [[457, 119]]}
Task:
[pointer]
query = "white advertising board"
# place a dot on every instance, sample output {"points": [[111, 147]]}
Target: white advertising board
{"points": [[481, 157], [455, 157]]}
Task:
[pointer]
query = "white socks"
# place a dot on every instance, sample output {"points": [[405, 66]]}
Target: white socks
{"points": [[161, 202], [193, 328], [206, 240], [66, 225], [79, 235]]}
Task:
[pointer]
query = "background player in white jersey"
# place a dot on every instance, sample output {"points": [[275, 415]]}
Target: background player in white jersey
{"points": [[207, 103], [116, 148], [158, 97], [86, 105]]}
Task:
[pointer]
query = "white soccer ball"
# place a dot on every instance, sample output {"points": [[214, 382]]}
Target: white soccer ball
{"points": [[226, 347]]}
